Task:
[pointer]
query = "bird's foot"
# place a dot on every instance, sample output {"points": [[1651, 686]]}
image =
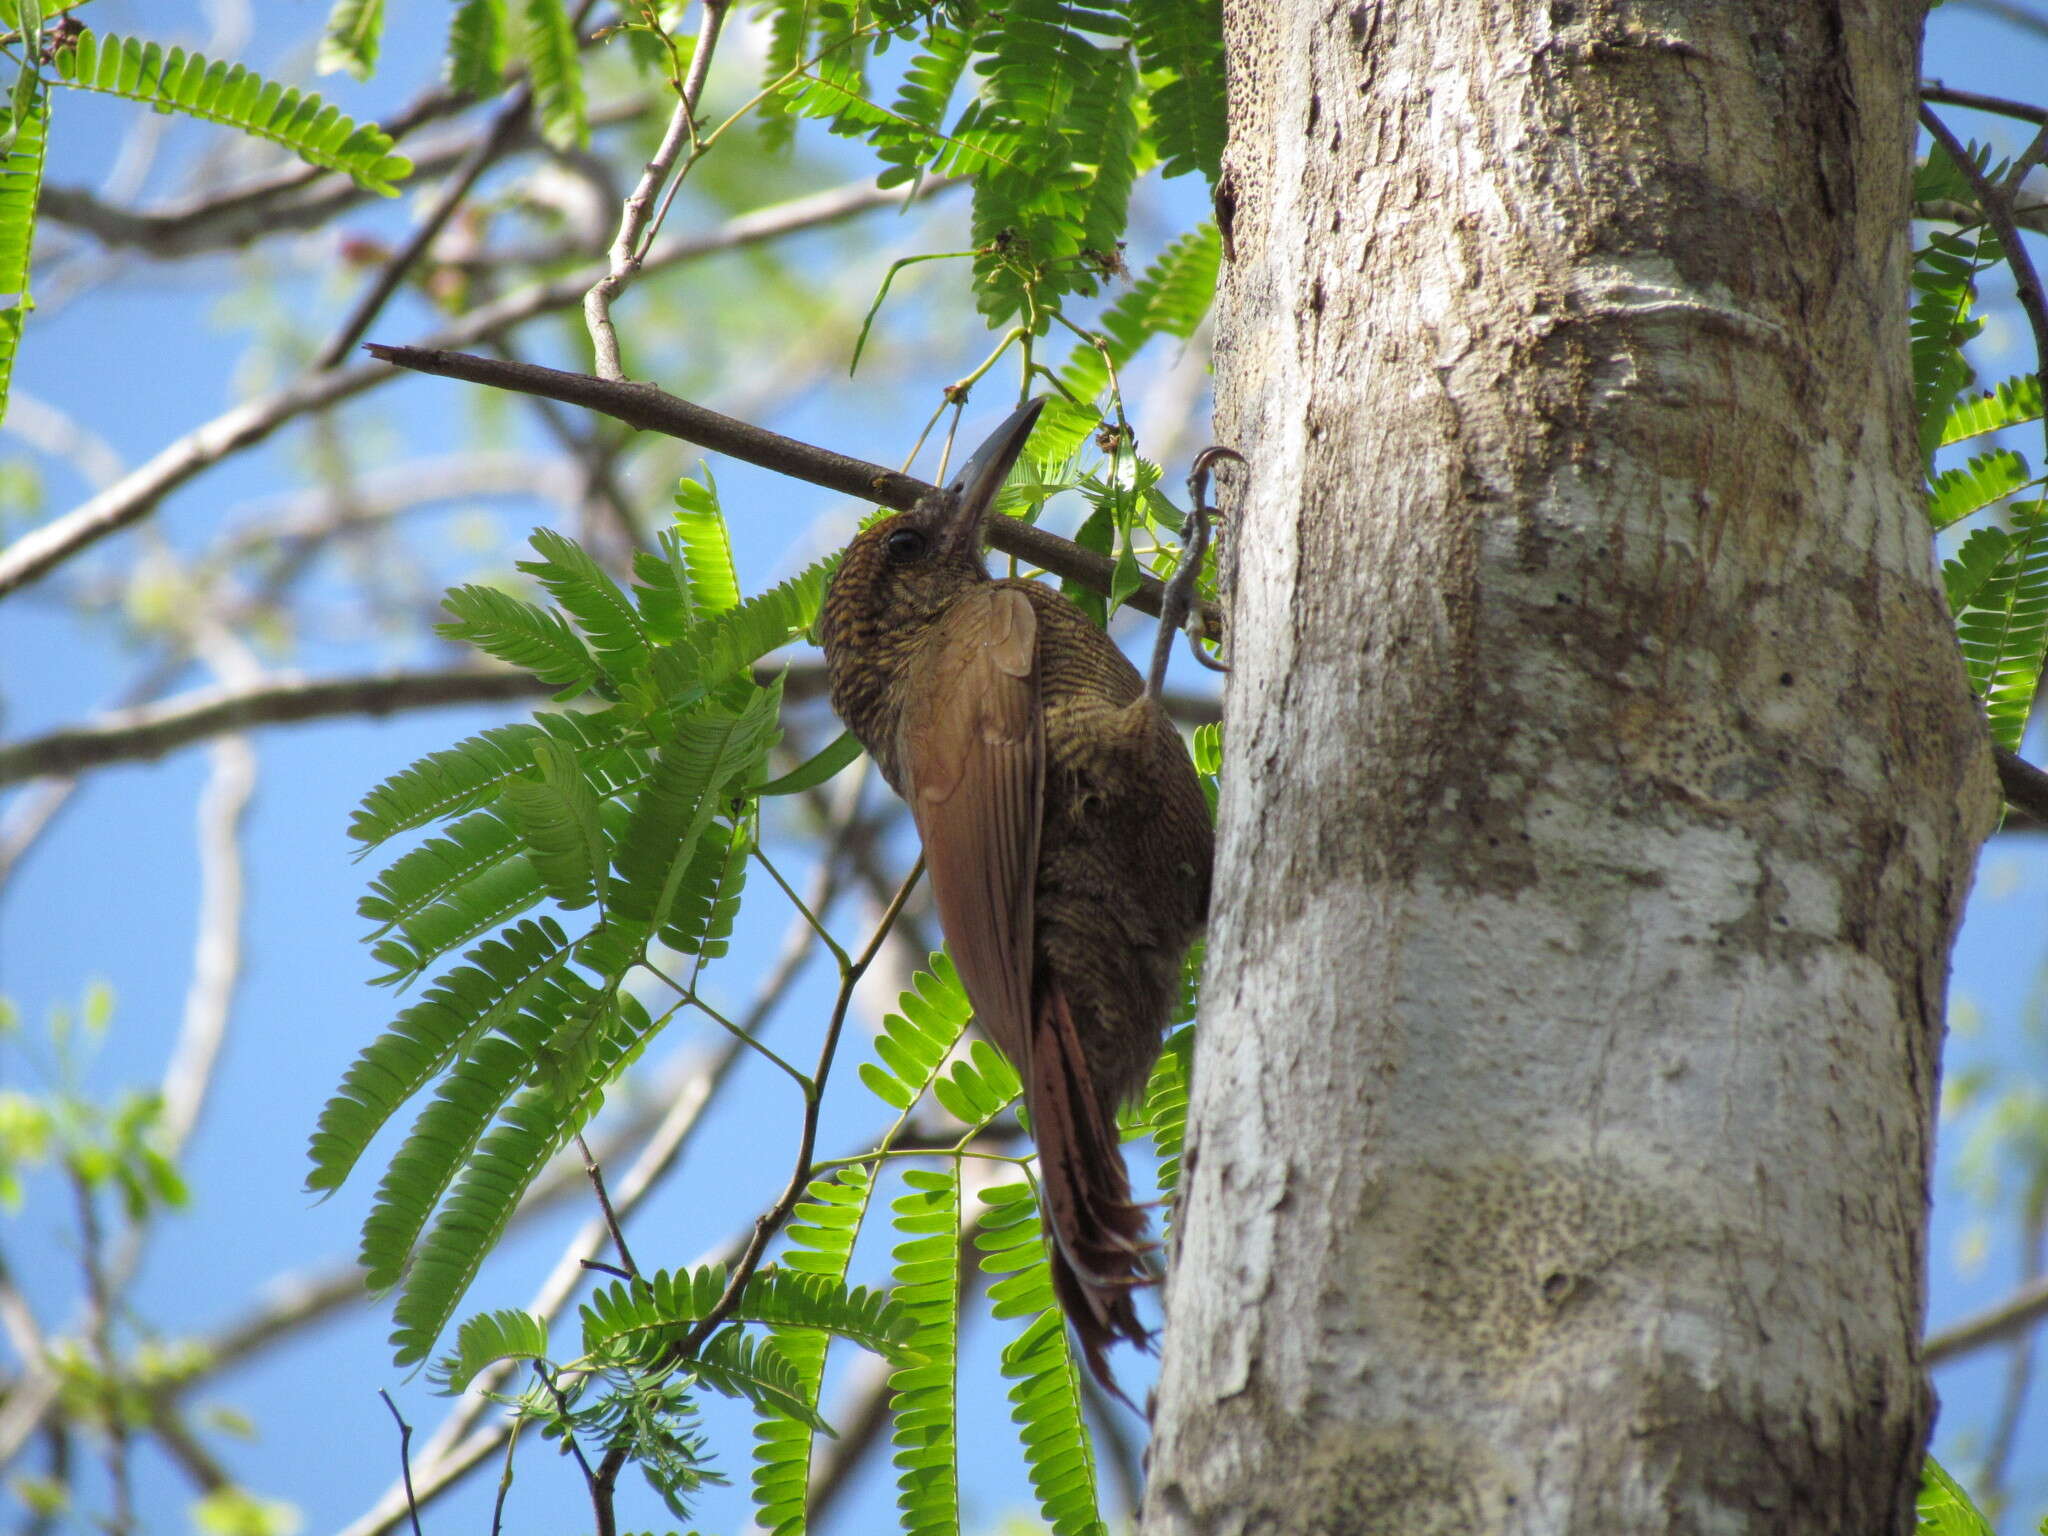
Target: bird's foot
{"points": [[1177, 608]]}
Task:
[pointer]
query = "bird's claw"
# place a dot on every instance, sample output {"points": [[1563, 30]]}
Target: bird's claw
{"points": [[1176, 608]]}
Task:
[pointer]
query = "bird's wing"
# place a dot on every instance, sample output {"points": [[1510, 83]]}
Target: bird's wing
{"points": [[973, 744]]}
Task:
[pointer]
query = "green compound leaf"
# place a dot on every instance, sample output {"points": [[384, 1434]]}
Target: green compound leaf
{"points": [[173, 80], [21, 181], [1046, 1398], [926, 1285]]}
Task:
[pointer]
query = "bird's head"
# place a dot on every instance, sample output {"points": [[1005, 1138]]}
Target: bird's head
{"points": [[902, 573]]}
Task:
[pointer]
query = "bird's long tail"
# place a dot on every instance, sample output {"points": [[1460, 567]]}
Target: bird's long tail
{"points": [[1098, 1233]]}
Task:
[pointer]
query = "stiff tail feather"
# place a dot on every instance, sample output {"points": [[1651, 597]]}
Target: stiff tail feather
{"points": [[1098, 1233]]}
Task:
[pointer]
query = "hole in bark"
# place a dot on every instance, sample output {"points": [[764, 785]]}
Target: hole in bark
{"points": [[1563, 15], [1556, 1286], [1784, 679]]}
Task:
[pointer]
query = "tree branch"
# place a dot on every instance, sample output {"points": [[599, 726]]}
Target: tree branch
{"points": [[655, 410], [137, 494], [2018, 1312], [151, 730], [1976, 101], [2024, 786], [292, 198], [217, 950]]}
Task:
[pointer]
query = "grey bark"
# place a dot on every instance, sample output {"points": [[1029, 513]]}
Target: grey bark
{"points": [[1602, 784]]}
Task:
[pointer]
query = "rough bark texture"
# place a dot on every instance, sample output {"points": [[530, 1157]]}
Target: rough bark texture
{"points": [[1602, 784]]}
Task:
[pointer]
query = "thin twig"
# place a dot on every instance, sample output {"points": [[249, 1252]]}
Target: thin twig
{"points": [[595, 1174], [404, 1459], [623, 260], [807, 1140], [99, 1332], [177, 1441], [766, 1226], [137, 494], [1998, 210], [496, 140], [505, 1478], [2019, 1370]]}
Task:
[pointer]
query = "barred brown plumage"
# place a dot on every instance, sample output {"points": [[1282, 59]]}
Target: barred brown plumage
{"points": [[1065, 832]]}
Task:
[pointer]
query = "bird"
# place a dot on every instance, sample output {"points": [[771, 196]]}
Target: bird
{"points": [[1065, 834]]}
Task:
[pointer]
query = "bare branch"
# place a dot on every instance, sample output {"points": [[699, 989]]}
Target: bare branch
{"points": [[1990, 1484], [623, 259], [2024, 786], [1947, 211], [655, 410], [318, 511], [2008, 1319], [287, 200], [175, 1436], [217, 951], [48, 430], [1977, 101], [137, 494], [151, 730]]}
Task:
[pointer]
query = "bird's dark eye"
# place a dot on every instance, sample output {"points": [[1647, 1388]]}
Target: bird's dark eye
{"points": [[906, 545]]}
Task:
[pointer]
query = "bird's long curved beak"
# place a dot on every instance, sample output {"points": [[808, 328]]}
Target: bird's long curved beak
{"points": [[973, 490]]}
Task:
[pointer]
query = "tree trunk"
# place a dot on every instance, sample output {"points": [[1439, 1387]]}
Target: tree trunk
{"points": [[1602, 784]]}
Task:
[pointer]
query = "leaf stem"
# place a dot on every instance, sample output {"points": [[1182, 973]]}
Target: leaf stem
{"points": [[838, 954]]}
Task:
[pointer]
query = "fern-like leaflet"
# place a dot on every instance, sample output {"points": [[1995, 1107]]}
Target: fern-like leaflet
{"points": [[2014, 403], [352, 37], [547, 42], [1045, 1401], [827, 1223], [26, 134], [1186, 38], [926, 1281], [177, 81], [479, 47], [636, 811], [2004, 629]]}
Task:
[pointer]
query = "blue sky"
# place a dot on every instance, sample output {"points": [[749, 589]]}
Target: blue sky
{"points": [[110, 892]]}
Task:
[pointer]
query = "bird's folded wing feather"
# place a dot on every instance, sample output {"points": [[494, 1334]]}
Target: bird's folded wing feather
{"points": [[974, 747]]}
